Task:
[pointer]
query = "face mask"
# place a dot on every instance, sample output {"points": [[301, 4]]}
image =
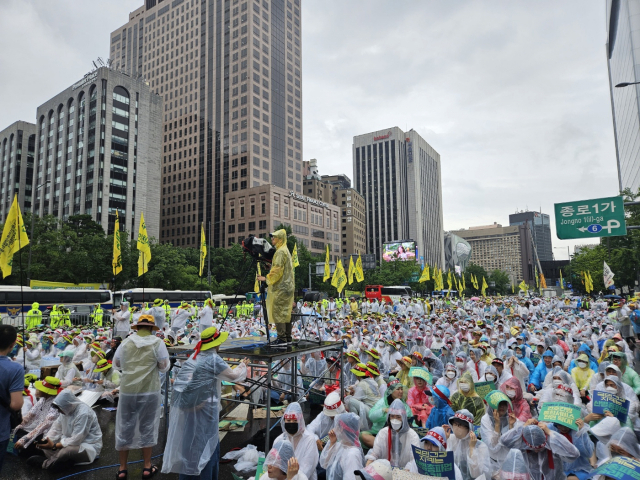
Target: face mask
{"points": [[611, 389], [460, 364], [494, 342], [451, 374], [396, 424], [464, 342], [511, 393], [582, 364], [465, 387], [291, 428], [490, 377], [557, 382]]}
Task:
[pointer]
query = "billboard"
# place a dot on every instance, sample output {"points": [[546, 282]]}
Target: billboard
{"points": [[405, 250]]}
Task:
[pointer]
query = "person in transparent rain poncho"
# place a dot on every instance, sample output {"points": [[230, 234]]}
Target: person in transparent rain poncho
{"points": [[304, 442], [514, 467], [193, 447], [343, 454], [559, 386], [612, 384], [363, 396], [498, 419], [393, 442], [281, 463], [623, 443], [580, 468], [141, 358], [434, 441], [75, 436], [544, 450], [470, 454], [325, 421]]}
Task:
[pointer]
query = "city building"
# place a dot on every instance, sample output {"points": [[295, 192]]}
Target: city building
{"points": [[399, 175], [337, 190], [457, 252], [551, 271], [230, 74], [623, 63], [540, 227], [259, 210], [99, 145], [17, 146], [495, 247]]}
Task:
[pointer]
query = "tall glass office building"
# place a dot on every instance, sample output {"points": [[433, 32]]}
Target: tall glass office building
{"points": [[230, 75], [623, 61]]}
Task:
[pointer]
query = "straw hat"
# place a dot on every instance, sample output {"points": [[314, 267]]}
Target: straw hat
{"points": [[146, 321], [210, 338], [50, 385], [102, 366]]}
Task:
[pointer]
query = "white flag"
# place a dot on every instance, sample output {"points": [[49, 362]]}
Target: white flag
{"points": [[608, 275]]}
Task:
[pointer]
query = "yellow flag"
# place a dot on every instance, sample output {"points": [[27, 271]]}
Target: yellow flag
{"points": [[513, 287], [464, 286], [359, 271], [327, 267], [339, 279], [294, 255], [143, 246], [352, 270], [523, 286], [561, 280], [203, 249], [484, 286], [537, 279], [256, 286], [543, 282], [449, 284], [14, 237], [116, 263], [425, 274]]}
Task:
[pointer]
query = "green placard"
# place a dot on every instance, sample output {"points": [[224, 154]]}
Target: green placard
{"points": [[482, 388], [259, 471], [600, 217], [560, 412]]}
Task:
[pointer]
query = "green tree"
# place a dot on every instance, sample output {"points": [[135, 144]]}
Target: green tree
{"points": [[501, 280]]}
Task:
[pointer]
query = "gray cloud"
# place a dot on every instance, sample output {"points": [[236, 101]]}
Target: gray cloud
{"points": [[513, 95]]}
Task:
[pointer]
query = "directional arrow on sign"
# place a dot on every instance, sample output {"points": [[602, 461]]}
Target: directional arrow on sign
{"points": [[584, 229]]}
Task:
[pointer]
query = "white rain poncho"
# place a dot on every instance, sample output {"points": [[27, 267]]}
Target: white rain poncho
{"points": [[195, 410], [547, 463], [315, 366], [567, 391], [365, 397], [624, 391], [625, 439], [491, 439], [323, 423], [77, 425], [67, 372], [122, 321], [279, 457], [304, 443], [344, 456], [471, 465], [515, 466], [585, 446], [180, 318], [140, 358], [395, 445]]}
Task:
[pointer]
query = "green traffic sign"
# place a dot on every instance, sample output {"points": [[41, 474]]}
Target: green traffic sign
{"points": [[600, 217]]}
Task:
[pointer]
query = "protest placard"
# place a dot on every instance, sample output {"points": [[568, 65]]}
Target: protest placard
{"points": [[561, 413], [482, 388], [619, 468], [436, 464], [617, 405], [535, 359]]}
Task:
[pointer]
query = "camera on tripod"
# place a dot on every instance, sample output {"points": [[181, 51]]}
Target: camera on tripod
{"points": [[258, 248]]}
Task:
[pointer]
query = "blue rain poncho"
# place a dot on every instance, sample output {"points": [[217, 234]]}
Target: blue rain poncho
{"points": [[195, 410], [441, 411]]}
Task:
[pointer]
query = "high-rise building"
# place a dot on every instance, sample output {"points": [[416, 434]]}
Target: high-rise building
{"points": [[495, 247], [17, 146], [230, 76], [623, 42], [99, 145], [353, 228], [398, 174], [540, 227]]}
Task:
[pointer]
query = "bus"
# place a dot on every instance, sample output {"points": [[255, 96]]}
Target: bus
{"points": [[11, 301], [443, 293], [387, 294], [136, 296]]}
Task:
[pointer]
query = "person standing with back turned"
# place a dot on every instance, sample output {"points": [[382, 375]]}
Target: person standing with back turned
{"points": [[141, 358], [281, 282], [11, 386]]}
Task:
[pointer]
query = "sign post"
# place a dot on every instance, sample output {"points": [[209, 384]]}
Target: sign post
{"points": [[600, 217]]}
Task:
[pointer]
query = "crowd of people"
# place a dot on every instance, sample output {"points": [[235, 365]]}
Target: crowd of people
{"points": [[415, 373]]}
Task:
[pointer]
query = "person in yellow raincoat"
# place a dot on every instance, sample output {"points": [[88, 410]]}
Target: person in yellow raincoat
{"points": [[281, 283]]}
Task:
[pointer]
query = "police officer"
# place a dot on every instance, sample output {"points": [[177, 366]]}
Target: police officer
{"points": [[97, 314], [34, 316]]}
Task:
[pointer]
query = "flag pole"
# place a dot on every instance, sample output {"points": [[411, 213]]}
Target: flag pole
{"points": [[24, 338], [142, 281]]}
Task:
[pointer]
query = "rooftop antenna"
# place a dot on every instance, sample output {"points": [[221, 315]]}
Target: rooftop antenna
{"points": [[101, 62], [94, 65]]}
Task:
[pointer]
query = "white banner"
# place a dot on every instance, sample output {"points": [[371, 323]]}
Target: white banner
{"points": [[607, 275]]}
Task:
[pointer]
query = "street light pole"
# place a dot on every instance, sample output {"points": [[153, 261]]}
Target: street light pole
{"points": [[626, 84], [31, 236]]}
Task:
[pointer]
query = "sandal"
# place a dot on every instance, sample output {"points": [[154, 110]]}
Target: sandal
{"points": [[151, 471], [120, 472]]}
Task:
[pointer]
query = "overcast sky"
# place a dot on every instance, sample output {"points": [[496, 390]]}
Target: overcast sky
{"points": [[513, 95]]}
